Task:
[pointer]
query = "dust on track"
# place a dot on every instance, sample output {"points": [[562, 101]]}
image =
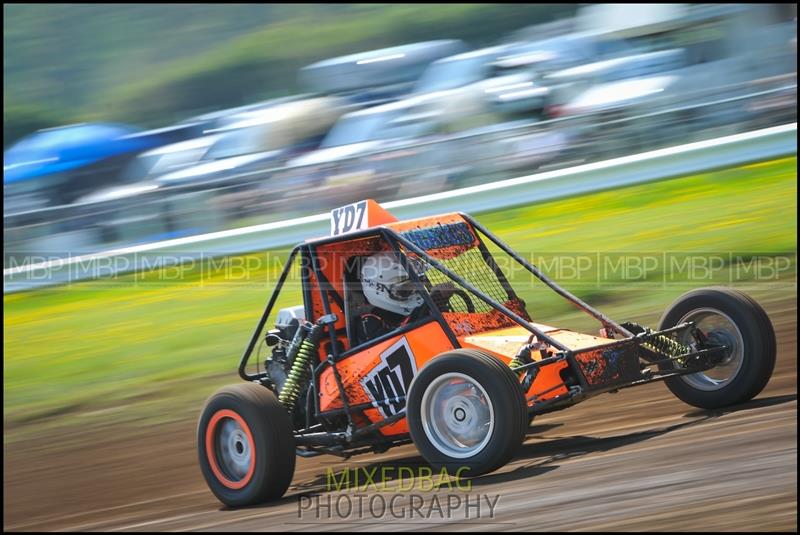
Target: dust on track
{"points": [[636, 460]]}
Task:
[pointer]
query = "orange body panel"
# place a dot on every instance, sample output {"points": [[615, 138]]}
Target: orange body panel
{"points": [[504, 343], [374, 368], [466, 323]]}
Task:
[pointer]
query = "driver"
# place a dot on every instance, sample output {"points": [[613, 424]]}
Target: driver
{"points": [[388, 288]]}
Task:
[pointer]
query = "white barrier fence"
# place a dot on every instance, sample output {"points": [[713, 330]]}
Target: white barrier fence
{"points": [[37, 272]]}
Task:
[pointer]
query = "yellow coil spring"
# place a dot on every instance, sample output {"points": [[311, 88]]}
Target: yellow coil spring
{"points": [[515, 363], [298, 375], [666, 346]]}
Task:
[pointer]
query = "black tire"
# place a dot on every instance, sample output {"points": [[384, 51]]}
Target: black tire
{"points": [[508, 409], [272, 467], [757, 357]]}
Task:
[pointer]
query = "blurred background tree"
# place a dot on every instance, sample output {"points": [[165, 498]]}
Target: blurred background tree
{"points": [[20, 119], [151, 65]]}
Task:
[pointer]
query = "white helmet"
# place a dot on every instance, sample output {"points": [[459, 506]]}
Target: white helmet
{"points": [[386, 285]]}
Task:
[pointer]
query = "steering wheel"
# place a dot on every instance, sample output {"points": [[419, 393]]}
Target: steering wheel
{"points": [[443, 293]]}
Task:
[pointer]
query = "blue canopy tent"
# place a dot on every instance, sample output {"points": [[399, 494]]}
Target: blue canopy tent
{"points": [[65, 162], [61, 149]]}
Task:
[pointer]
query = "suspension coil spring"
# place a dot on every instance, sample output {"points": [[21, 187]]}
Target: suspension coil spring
{"points": [[523, 356], [515, 363], [667, 346], [298, 375]]}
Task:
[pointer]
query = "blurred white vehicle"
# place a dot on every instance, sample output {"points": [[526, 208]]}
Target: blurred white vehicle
{"points": [[251, 141], [221, 118], [385, 151], [614, 83], [337, 167], [259, 140], [168, 158], [175, 156], [510, 75], [376, 76]]}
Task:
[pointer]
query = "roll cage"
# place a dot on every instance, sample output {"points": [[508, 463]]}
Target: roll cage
{"points": [[636, 346]]}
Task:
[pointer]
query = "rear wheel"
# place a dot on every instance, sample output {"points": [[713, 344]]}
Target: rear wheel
{"points": [[733, 319], [466, 412], [245, 445]]}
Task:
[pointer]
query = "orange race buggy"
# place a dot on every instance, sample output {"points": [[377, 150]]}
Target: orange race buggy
{"points": [[464, 373]]}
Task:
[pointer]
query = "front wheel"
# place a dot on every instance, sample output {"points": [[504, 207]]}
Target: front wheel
{"points": [[733, 319], [466, 412], [245, 445]]}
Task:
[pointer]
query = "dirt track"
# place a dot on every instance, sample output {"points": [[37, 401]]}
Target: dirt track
{"points": [[636, 460]]}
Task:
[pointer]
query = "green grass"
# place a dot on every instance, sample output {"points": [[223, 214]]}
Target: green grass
{"points": [[151, 346]]}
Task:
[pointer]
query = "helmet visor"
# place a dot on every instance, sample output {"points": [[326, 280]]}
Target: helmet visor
{"points": [[403, 290]]}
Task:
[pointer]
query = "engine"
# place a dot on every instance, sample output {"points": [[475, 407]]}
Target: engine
{"points": [[287, 330], [295, 343]]}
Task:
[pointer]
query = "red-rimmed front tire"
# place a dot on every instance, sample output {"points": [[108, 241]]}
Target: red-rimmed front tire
{"points": [[245, 445]]}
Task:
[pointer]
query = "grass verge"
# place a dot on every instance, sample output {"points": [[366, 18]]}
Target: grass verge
{"points": [[151, 346]]}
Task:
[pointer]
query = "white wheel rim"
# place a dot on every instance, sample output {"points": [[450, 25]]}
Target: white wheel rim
{"points": [[719, 328], [234, 449], [457, 415]]}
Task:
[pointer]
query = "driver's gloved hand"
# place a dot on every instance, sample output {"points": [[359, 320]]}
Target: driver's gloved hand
{"points": [[374, 324], [370, 326]]}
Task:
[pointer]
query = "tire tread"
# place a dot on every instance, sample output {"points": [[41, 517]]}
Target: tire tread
{"points": [[762, 345]]}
